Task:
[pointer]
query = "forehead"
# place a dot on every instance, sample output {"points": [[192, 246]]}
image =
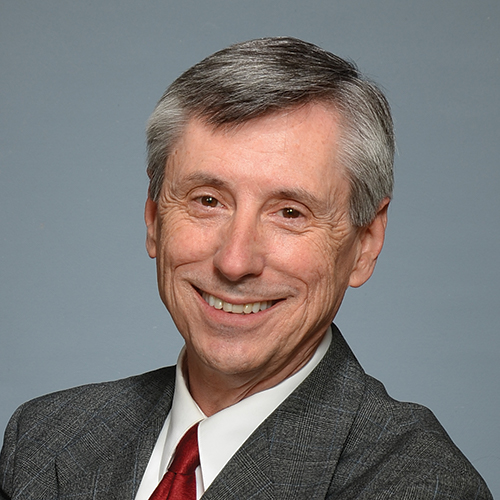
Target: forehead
{"points": [[297, 147]]}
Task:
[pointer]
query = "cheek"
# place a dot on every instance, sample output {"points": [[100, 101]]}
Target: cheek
{"points": [[305, 258], [322, 262], [185, 243]]}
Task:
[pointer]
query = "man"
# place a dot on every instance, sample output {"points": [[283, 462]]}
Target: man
{"points": [[271, 173]]}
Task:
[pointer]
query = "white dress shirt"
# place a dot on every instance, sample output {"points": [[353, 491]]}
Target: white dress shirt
{"points": [[222, 434]]}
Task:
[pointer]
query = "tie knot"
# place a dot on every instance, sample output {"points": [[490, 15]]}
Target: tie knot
{"points": [[187, 456]]}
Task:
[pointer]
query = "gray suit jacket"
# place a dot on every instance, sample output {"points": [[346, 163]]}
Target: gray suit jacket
{"points": [[338, 435]]}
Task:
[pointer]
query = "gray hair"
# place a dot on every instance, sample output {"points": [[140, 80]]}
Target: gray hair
{"points": [[251, 79]]}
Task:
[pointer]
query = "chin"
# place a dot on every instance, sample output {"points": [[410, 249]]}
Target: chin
{"points": [[230, 359]]}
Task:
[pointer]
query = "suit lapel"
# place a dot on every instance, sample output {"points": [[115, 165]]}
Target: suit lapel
{"points": [[294, 453], [248, 473], [108, 458]]}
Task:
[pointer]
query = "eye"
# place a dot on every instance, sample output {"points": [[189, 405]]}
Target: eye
{"points": [[290, 213], [209, 201]]}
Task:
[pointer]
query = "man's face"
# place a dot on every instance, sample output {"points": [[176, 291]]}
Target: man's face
{"points": [[253, 243]]}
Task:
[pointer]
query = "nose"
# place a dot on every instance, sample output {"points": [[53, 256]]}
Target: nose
{"points": [[240, 251]]}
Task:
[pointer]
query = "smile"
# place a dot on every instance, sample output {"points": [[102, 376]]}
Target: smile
{"points": [[251, 307]]}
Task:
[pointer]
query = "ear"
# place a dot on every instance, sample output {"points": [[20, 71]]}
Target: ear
{"points": [[150, 219], [371, 241]]}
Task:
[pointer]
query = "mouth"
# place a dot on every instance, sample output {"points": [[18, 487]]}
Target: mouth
{"points": [[248, 308]]}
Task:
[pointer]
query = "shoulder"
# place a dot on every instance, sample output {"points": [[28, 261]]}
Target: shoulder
{"points": [[400, 450], [97, 415], [87, 401]]}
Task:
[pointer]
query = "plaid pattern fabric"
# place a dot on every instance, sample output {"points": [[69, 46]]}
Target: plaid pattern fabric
{"points": [[338, 436]]}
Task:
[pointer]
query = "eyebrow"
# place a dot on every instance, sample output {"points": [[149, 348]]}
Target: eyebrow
{"points": [[204, 179]]}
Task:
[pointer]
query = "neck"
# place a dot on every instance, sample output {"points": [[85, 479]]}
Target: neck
{"points": [[214, 390]]}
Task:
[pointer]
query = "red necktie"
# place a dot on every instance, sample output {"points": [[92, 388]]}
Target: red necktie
{"points": [[179, 482]]}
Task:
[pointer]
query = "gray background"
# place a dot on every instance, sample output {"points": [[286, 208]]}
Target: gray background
{"points": [[78, 299]]}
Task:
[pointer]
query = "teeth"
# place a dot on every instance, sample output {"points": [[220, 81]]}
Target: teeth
{"points": [[252, 307]]}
